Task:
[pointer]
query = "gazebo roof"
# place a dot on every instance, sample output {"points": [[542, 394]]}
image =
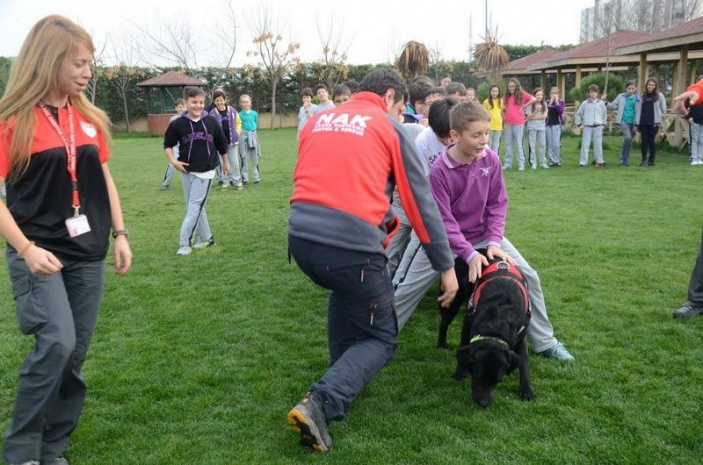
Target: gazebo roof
{"points": [[521, 65], [592, 52], [172, 79]]}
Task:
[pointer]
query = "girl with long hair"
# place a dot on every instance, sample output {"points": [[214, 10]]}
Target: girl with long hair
{"points": [[61, 203]]}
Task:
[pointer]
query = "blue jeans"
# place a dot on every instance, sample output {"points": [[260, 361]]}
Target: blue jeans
{"points": [[361, 323]]}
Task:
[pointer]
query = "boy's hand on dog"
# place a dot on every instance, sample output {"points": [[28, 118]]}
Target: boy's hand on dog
{"points": [[476, 266], [494, 252], [449, 286]]}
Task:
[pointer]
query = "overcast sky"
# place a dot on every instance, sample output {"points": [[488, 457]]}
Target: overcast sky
{"points": [[371, 31]]}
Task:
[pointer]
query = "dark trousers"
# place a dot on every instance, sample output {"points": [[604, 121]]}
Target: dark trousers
{"points": [[362, 328], [60, 311], [695, 284], [649, 146]]}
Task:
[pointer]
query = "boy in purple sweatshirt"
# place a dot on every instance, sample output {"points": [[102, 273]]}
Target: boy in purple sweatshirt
{"points": [[467, 184]]}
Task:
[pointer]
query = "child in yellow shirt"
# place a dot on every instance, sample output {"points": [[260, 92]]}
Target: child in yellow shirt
{"points": [[494, 105]]}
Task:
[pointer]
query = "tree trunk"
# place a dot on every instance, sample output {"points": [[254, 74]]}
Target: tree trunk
{"points": [[273, 101], [126, 112]]}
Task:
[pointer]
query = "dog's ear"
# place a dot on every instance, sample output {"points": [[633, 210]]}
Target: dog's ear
{"points": [[463, 362], [513, 361]]}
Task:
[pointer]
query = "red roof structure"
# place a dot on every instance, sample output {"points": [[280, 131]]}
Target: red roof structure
{"points": [[521, 65], [172, 79], [594, 52]]}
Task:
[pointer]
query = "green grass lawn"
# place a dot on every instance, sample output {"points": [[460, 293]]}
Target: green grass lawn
{"points": [[196, 360]]}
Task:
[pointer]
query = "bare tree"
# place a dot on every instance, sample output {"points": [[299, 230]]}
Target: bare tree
{"points": [[225, 29], [692, 9], [333, 65], [92, 88], [121, 76], [609, 22], [173, 43], [277, 55], [637, 15], [648, 16], [437, 64]]}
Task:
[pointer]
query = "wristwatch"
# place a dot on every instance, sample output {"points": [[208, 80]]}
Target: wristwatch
{"points": [[121, 232]]}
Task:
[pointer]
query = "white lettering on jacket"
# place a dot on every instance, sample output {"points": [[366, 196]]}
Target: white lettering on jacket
{"points": [[332, 122]]}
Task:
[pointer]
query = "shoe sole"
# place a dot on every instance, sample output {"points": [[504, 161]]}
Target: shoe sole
{"points": [[309, 432]]}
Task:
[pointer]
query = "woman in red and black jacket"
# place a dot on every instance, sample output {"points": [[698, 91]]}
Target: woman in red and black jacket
{"points": [[61, 203]]}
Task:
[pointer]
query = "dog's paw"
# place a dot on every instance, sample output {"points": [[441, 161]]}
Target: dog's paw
{"points": [[528, 395], [443, 345]]}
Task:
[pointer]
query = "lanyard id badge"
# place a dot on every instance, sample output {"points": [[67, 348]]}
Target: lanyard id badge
{"points": [[78, 223]]}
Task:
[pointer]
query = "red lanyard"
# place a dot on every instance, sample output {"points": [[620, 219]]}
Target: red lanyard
{"points": [[70, 146]]}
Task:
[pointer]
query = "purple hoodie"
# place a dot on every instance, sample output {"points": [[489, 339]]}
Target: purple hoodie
{"points": [[471, 199]]}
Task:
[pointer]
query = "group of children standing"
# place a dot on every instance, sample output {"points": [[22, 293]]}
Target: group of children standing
{"points": [[236, 125], [518, 110], [194, 138]]}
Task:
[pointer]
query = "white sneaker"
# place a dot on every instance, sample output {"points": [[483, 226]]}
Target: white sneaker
{"points": [[545, 166], [699, 162], [184, 251]]}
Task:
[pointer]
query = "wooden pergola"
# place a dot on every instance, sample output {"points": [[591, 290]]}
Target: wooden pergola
{"points": [[686, 42], [590, 57], [520, 67]]}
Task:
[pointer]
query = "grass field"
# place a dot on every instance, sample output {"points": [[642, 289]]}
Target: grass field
{"points": [[196, 360]]}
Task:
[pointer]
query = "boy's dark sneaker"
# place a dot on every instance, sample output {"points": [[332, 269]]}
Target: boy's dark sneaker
{"points": [[688, 310], [308, 419], [202, 245]]}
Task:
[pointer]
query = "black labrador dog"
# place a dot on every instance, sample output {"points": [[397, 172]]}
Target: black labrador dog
{"points": [[493, 336]]}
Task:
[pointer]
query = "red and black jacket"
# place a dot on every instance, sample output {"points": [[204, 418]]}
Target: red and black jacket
{"points": [[350, 160]]}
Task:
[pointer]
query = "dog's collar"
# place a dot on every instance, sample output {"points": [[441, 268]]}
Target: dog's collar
{"points": [[479, 338]]}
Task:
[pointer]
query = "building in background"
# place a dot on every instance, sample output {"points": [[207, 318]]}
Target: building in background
{"points": [[636, 15]]}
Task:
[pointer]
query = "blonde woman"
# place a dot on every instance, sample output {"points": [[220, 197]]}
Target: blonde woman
{"points": [[61, 203]]}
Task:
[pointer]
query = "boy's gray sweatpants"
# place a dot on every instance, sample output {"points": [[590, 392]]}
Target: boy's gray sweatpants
{"points": [[399, 241], [595, 133], [195, 191], [414, 278]]}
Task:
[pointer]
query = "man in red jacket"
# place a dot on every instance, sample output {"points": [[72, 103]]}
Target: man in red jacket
{"points": [[350, 160], [693, 306]]}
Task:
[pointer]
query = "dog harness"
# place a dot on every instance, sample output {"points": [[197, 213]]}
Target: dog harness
{"points": [[501, 270]]}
